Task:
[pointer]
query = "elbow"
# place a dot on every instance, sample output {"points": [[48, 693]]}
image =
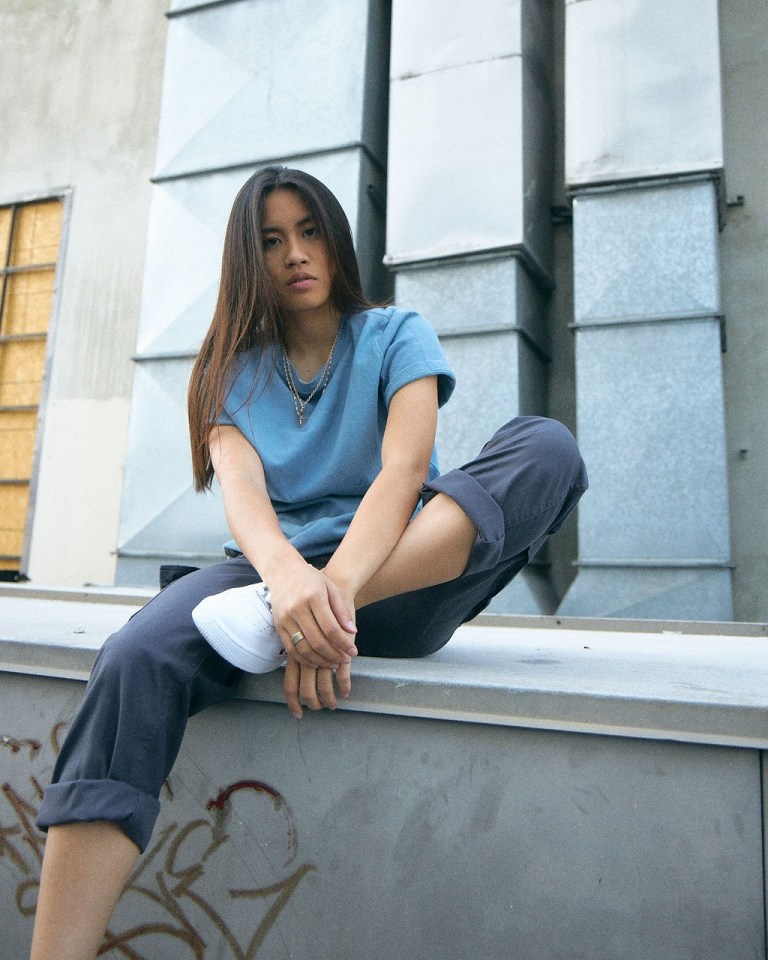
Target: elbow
{"points": [[410, 473]]}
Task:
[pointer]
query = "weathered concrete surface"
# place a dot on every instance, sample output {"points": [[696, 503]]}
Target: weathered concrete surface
{"points": [[358, 833]]}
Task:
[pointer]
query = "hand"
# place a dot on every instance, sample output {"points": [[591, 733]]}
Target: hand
{"points": [[306, 602], [314, 687]]}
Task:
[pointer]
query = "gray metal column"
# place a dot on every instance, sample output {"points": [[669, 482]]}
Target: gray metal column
{"points": [[643, 160], [468, 221], [246, 82]]}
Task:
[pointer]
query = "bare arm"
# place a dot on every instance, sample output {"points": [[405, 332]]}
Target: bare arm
{"points": [[377, 526], [389, 503], [302, 597]]}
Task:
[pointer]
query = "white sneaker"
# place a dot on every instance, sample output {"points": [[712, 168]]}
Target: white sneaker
{"points": [[238, 625]]}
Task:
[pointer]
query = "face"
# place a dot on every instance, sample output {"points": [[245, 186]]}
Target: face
{"points": [[296, 257]]}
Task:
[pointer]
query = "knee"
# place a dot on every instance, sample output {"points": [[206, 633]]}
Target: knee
{"points": [[126, 655], [555, 446], [543, 444]]}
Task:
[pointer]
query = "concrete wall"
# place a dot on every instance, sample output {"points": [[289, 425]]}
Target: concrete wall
{"points": [[744, 256], [81, 96], [549, 794]]}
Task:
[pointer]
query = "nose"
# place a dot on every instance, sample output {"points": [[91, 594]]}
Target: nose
{"points": [[294, 251]]}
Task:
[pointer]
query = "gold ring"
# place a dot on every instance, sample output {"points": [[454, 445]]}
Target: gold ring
{"points": [[297, 638]]}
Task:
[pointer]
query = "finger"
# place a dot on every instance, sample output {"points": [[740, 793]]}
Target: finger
{"points": [[340, 608], [312, 611], [308, 688], [291, 687], [339, 640], [325, 691], [320, 652], [344, 679], [302, 651]]}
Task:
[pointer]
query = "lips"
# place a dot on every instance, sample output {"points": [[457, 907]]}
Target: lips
{"points": [[301, 280]]}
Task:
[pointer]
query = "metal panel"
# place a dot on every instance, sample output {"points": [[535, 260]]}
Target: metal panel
{"points": [[487, 395], [423, 42], [642, 88], [652, 433], [644, 253], [455, 172], [248, 81], [470, 130], [476, 295], [627, 591], [650, 414]]}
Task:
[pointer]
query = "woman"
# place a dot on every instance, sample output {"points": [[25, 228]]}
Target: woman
{"points": [[316, 412]]}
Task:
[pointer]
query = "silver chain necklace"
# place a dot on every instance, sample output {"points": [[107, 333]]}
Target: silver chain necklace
{"points": [[298, 402]]}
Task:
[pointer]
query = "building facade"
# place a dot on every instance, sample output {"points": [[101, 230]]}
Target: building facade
{"points": [[571, 192]]}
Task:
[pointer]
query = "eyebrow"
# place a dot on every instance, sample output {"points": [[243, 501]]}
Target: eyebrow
{"points": [[299, 223]]}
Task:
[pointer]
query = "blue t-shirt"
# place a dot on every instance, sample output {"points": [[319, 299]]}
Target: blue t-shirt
{"points": [[318, 473]]}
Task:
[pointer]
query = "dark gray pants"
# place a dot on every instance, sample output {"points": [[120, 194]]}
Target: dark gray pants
{"points": [[156, 672]]}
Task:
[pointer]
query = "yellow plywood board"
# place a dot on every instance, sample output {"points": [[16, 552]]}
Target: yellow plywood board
{"points": [[28, 300], [29, 237], [17, 443], [21, 372], [6, 218], [36, 233], [13, 514]]}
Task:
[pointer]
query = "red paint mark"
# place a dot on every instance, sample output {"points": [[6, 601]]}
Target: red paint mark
{"points": [[257, 785], [279, 802]]}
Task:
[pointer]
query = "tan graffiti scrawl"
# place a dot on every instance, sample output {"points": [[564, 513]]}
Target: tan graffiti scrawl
{"points": [[167, 876]]}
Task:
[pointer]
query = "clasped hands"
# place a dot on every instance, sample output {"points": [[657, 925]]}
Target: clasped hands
{"points": [[315, 620]]}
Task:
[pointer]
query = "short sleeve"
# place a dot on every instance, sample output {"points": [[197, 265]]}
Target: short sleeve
{"points": [[414, 352], [240, 387]]}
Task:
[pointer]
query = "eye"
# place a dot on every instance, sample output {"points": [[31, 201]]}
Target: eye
{"points": [[270, 242], [312, 232]]}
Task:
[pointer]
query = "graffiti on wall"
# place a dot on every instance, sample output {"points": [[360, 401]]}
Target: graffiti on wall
{"points": [[167, 895]]}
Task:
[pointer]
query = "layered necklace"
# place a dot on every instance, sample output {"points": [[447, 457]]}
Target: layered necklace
{"points": [[299, 402]]}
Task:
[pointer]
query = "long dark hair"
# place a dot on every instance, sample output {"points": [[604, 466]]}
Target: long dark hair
{"points": [[247, 314]]}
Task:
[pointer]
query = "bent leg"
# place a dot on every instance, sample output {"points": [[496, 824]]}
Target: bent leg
{"points": [[148, 679], [434, 548], [506, 502]]}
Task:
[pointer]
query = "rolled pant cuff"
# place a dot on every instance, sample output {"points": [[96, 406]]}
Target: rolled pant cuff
{"points": [[83, 801], [481, 509]]}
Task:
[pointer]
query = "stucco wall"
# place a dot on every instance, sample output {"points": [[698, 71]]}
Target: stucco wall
{"points": [[81, 84]]}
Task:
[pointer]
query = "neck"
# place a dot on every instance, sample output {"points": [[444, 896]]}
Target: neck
{"points": [[308, 343]]}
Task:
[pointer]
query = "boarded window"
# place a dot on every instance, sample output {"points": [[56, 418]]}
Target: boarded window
{"points": [[30, 234]]}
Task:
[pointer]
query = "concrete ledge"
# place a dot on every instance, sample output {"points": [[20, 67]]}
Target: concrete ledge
{"points": [[662, 685]]}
